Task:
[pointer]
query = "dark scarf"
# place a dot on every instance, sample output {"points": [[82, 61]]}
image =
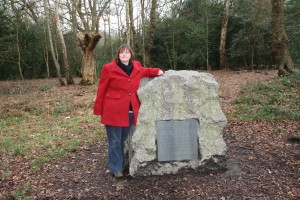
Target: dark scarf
{"points": [[126, 68]]}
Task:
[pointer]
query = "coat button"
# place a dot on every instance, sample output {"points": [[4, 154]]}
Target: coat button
{"points": [[129, 80], [129, 94]]}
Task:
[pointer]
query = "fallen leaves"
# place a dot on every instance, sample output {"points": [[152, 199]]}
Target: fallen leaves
{"points": [[261, 163]]}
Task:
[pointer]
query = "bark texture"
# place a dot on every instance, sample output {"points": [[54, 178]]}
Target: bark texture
{"points": [[57, 65], [279, 39], [88, 42], [69, 78], [151, 31], [225, 16]]}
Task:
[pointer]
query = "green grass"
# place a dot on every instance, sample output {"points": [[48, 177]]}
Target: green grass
{"points": [[41, 126], [23, 193], [6, 172], [279, 99], [51, 137], [41, 122]]}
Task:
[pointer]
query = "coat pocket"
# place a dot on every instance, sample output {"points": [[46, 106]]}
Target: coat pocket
{"points": [[113, 96]]}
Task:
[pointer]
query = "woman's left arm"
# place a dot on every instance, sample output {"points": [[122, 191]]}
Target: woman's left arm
{"points": [[150, 72]]}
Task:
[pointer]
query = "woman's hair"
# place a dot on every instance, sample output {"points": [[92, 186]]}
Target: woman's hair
{"points": [[123, 48]]}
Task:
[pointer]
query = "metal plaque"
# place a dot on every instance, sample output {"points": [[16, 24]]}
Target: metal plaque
{"points": [[177, 140]]}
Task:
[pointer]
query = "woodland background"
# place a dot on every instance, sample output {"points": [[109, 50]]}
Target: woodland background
{"points": [[38, 37]]}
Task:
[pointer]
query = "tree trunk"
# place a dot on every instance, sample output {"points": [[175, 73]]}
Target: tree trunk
{"points": [[89, 12], [225, 16], [119, 19], [57, 66], [279, 39], [151, 31], [46, 56], [252, 58], [133, 31], [128, 30], [63, 46], [88, 42], [143, 30], [47, 62], [17, 20], [19, 53], [207, 36]]}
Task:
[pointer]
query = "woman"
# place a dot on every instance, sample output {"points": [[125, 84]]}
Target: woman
{"points": [[117, 102]]}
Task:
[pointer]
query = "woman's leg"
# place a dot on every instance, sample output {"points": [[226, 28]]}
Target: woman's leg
{"points": [[115, 155], [116, 138]]}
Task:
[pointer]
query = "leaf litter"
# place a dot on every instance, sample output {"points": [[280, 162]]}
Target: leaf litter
{"points": [[261, 163]]}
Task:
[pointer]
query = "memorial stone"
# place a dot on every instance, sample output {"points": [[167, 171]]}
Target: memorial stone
{"points": [[179, 126]]}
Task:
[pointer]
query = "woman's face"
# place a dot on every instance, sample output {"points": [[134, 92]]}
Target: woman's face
{"points": [[125, 56]]}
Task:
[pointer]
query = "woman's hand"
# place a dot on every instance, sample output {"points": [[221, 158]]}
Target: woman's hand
{"points": [[160, 72]]}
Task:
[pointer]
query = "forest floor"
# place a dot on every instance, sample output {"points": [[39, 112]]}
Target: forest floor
{"points": [[261, 163]]}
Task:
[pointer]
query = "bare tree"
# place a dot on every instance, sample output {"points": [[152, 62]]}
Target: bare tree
{"points": [[118, 11], [46, 57], [45, 52], [30, 8], [143, 30], [131, 25], [208, 67], [88, 38], [279, 39], [128, 20], [222, 48], [145, 50], [151, 31], [142, 47], [63, 45], [108, 25], [57, 66], [17, 20]]}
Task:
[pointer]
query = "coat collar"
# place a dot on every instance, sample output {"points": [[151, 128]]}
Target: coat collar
{"points": [[117, 69], [134, 70]]}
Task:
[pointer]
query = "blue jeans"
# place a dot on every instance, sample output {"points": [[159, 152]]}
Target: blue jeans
{"points": [[116, 142]]}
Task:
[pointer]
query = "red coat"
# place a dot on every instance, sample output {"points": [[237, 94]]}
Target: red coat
{"points": [[116, 90]]}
